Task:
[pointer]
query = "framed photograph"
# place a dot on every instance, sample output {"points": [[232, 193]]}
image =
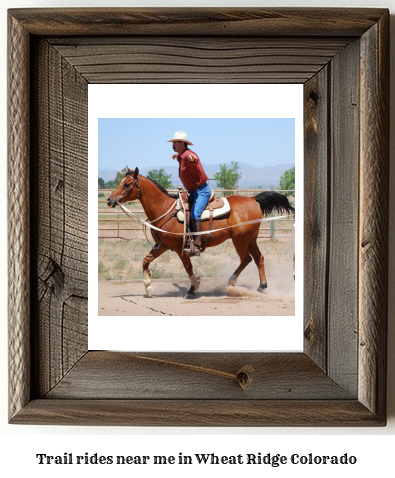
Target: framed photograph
{"points": [[340, 57], [253, 131]]}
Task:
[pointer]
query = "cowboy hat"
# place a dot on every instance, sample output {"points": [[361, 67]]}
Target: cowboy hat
{"points": [[180, 136]]}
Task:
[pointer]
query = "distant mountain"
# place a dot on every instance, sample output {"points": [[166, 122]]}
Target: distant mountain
{"points": [[251, 176], [108, 174]]}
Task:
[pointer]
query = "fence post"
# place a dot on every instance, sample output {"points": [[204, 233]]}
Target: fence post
{"points": [[272, 228], [272, 223], [118, 223]]}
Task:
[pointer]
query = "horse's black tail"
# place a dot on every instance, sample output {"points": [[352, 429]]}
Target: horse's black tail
{"points": [[273, 201]]}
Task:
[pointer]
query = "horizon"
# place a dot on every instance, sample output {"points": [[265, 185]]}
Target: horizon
{"points": [[109, 168], [264, 177]]}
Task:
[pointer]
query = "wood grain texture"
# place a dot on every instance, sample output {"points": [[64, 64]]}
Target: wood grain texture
{"points": [[344, 216], [314, 388], [202, 413], [284, 376], [213, 60], [316, 214], [198, 21], [374, 211], [18, 218], [61, 199]]}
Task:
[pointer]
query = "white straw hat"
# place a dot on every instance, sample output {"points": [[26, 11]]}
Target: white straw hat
{"points": [[180, 136]]}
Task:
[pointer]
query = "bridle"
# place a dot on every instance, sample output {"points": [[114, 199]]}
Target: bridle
{"points": [[130, 188]]}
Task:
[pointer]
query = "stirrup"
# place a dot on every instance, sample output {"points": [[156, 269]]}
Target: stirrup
{"points": [[188, 252], [192, 250]]}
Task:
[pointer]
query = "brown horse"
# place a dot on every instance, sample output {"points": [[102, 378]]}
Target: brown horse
{"points": [[156, 202]]}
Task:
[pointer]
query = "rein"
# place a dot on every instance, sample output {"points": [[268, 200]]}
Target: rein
{"points": [[145, 223], [130, 188], [154, 220], [163, 215]]}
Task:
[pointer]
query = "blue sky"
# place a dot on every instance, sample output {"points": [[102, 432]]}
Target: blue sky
{"points": [[143, 142]]}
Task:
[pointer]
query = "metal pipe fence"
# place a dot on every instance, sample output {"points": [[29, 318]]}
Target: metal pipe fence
{"points": [[118, 220]]}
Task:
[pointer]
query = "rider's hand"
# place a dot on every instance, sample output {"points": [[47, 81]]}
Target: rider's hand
{"points": [[192, 158], [175, 156]]}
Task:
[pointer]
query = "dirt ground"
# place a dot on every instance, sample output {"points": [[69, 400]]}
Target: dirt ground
{"points": [[214, 298], [121, 291]]}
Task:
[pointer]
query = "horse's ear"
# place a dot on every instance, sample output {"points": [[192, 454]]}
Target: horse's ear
{"points": [[136, 173], [129, 170]]}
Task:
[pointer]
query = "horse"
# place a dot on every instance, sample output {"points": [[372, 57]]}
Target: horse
{"points": [[157, 204]]}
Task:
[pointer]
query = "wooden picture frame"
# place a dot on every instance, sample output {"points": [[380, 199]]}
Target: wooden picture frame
{"points": [[342, 58]]}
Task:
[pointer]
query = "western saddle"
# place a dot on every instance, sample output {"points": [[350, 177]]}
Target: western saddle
{"points": [[213, 203]]}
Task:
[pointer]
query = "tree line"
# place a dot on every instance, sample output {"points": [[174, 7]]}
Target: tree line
{"points": [[226, 178]]}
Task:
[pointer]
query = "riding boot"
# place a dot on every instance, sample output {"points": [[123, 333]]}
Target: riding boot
{"points": [[198, 239], [195, 249]]}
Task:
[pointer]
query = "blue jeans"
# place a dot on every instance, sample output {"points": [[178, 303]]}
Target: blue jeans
{"points": [[199, 200]]}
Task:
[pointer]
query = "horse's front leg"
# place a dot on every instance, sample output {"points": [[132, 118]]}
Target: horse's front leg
{"points": [[195, 281], [153, 254]]}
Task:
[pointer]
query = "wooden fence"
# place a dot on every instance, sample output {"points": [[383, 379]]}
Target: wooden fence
{"points": [[117, 218]]}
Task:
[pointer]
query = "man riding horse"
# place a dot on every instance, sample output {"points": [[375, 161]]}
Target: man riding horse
{"points": [[194, 179]]}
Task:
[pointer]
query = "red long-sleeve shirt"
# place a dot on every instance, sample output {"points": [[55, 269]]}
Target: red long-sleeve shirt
{"points": [[192, 175]]}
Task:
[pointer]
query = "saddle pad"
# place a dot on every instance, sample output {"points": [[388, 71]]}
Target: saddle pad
{"points": [[206, 213]]}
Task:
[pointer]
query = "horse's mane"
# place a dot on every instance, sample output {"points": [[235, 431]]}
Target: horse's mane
{"points": [[161, 188]]}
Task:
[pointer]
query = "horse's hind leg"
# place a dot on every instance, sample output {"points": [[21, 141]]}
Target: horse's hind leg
{"points": [[153, 254], [245, 259], [259, 261]]}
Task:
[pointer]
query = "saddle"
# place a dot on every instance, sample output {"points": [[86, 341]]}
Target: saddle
{"points": [[216, 207], [219, 206]]}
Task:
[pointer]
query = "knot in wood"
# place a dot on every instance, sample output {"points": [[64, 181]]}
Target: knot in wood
{"points": [[244, 376], [313, 96], [308, 332]]}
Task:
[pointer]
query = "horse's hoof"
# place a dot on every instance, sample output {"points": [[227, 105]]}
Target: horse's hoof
{"points": [[191, 293], [262, 287], [150, 291], [232, 280]]}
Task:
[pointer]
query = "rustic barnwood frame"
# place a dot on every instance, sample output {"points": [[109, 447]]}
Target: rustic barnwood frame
{"points": [[341, 57]]}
